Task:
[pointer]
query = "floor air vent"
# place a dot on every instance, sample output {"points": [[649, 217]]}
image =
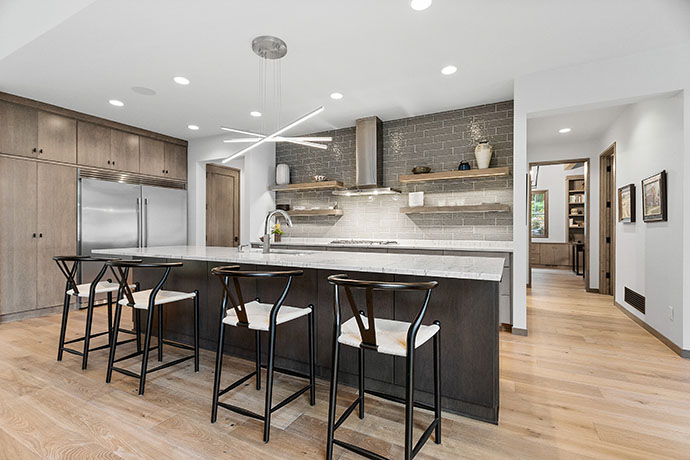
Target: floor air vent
{"points": [[635, 299]]}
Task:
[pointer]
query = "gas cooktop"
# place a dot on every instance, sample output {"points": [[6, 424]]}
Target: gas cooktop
{"points": [[365, 242]]}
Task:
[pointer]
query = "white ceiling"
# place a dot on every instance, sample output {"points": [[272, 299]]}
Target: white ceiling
{"points": [[585, 125], [383, 56]]}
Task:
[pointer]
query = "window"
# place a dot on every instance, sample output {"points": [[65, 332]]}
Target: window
{"points": [[540, 213]]}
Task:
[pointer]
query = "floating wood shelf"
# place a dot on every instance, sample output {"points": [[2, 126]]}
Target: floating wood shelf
{"points": [[315, 212], [486, 207], [451, 175], [325, 185], [577, 191]]}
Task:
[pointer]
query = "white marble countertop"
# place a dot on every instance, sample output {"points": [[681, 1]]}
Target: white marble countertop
{"points": [[460, 267], [456, 245]]}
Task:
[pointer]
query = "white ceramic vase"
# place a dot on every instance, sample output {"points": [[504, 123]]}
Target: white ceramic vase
{"points": [[483, 152], [282, 174]]}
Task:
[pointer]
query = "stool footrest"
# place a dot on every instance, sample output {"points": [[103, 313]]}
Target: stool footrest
{"points": [[132, 355], [358, 450], [178, 345], [126, 372], [241, 411], [74, 352], [82, 338], [388, 397], [237, 383], [290, 398], [425, 437], [171, 363], [347, 413]]}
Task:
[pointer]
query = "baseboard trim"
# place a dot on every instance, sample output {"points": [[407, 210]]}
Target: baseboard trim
{"points": [[658, 335], [593, 290], [18, 316]]}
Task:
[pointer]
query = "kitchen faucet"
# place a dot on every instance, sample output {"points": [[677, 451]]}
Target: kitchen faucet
{"points": [[267, 235]]}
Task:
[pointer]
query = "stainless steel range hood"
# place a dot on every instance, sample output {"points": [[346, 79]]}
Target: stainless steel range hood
{"points": [[368, 160]]}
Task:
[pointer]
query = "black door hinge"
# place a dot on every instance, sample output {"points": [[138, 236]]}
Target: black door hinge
{"points": [[608, 204], [608, 275], [608, 169], [608, 239]]}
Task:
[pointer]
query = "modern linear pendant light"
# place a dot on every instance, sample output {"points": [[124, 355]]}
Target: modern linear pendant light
{"points": [[270, 51]]}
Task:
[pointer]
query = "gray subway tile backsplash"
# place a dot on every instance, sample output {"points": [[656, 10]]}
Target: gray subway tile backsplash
{"points": [[440, 141]]}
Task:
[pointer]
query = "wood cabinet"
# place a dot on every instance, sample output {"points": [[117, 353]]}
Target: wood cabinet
{"points": [[175, 161], [36, 223], [151, 157], [18, 129], [17, 235], [56, 223], [550, 254], [124, 151], [93, 145], [57, 137]]}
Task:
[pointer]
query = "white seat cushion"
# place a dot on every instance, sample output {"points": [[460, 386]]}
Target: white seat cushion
{"points": [[391, 335], [141, 298], [258, 315], [101, 288]]}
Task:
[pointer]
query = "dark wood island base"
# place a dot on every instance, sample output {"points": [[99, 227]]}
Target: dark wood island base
{"points": [[467, 310]]}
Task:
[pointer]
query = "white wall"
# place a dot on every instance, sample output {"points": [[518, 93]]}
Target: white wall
{"points": [[257, 173], [649, 138], [592, 85], [552, 178]]}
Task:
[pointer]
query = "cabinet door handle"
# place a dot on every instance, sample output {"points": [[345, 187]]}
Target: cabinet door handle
{"points": [[33, 149], [113, 162], [108, 161], [40, 235], [40, 151], [34, 236]]}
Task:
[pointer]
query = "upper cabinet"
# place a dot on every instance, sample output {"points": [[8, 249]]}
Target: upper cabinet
{"points": [[175, 161], [124, 151], [93, 145], [18, 130], [151, 157], [108, 148], [57, 137]]}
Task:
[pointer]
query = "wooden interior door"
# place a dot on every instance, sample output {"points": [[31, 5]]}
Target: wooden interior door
{"points": [[18, 129], [57, 137], [17, 235], [57, 229], [607, 218], [222, 206]]}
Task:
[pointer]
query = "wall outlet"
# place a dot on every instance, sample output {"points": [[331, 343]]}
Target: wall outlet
{"points": [[670, 312]]}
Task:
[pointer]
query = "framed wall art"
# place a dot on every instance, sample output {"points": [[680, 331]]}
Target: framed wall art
{"points": [[626, 203], [654, 198]]}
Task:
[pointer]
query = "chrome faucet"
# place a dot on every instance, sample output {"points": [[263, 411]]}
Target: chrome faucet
{"points": [[267, 235]]}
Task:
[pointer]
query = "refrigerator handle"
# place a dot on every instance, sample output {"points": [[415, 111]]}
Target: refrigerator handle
{"points": [[138, 223], [146, 222]]}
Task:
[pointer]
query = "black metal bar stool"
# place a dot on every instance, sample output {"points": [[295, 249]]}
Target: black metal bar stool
{"points": [[387, 336], [147, 300], [259, 317], [69, 266]]}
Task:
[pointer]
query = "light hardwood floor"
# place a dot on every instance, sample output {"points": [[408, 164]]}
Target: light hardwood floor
{"points": [[587, 383]]}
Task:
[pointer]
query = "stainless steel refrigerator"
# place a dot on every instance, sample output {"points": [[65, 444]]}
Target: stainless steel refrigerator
{"points": [[117, 214]]}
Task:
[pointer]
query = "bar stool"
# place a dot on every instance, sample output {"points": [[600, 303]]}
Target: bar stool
{"points": [[69, 266], [390, 337], [259, 317], [147, 300]]}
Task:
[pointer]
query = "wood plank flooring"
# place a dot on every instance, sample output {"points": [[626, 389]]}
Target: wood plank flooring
{"points": [[587, 383]]}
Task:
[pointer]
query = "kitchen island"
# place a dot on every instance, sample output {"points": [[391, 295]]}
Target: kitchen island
{"points": [[465, 302]]}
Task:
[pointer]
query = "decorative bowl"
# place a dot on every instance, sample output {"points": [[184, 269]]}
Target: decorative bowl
{"points": [[421, 170], [319, 178]]}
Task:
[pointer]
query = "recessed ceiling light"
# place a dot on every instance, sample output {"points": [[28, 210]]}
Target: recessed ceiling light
{"points": [[181, 80], [336, 96], [420, 5], [564, 130], [116, 103], [193, 127], [254, 113], [449, 70]]}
